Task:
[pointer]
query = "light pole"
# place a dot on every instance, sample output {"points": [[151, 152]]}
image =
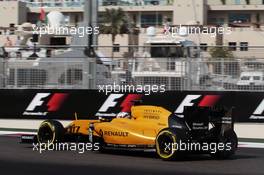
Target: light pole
{"points": [[90, 20]]}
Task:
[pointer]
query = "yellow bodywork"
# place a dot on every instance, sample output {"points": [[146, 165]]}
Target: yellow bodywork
{"points": [[141, 129]]}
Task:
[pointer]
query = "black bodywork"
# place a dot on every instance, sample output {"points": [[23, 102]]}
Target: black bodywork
{"points": [[202, 124]]}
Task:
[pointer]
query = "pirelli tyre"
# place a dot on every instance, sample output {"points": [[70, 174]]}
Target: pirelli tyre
{"points": [[50, 131], [166, 144], [230, 140]]}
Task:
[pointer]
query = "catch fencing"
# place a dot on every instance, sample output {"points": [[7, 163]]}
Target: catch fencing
{"points": [[176, 68]]}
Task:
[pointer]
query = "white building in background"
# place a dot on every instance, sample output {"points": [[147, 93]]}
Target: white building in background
{"points": [[243, 21], [246, 19]]}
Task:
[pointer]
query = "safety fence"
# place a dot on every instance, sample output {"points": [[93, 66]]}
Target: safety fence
{"points": [[174, 68]]}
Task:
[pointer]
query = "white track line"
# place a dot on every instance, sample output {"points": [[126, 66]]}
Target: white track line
{"points": [[250, 145], [3, 133]]}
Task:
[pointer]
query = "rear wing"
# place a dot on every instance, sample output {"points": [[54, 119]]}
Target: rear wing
{"points": [[216, 115], [222, 115]]}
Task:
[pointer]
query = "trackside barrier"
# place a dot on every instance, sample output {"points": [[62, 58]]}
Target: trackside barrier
{"points": [[89, 104]]}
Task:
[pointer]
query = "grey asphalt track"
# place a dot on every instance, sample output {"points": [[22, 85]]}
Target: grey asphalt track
{"points": [[20, 159]]}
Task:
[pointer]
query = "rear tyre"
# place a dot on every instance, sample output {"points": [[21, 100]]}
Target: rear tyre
{"points": [[229, 139], [50, 131], [166, 144]]}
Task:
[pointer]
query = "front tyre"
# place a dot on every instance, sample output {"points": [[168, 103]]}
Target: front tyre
{"points": [[50, 131]]}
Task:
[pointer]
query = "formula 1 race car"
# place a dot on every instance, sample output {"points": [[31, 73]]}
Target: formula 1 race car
{"points": [[200, 129]]}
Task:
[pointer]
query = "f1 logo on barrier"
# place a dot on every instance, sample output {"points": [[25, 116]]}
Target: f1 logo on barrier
{"points": [[53, 104], [258, 113], [112, 102], [114, 99], [37, 101], [206, 101]]}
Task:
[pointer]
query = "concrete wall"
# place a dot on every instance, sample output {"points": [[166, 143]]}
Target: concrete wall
{"points": [[106, 40], [12, 12], [185, 12]]}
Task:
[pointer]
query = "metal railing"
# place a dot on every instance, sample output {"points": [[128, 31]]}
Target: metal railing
{"points": [[80, 3], [191, 74], [187, 68], [235, 2], [65, 3], [134, 2], [47, 73], [181, 68]]}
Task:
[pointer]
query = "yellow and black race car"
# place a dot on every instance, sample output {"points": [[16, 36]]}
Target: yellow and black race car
{"points": [[200, 129]]}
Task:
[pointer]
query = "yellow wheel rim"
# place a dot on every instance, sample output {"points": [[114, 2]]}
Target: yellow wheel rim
{"points": [[163, 153]]}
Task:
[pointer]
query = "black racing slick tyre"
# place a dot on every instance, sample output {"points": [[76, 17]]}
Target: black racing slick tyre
{"points": [[230, 140], [166, 144], [50, 131]]}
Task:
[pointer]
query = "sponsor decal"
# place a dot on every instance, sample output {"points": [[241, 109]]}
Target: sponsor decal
{"points": [[152, 117], [258, 114], [152, 111], [113, 133], [200, 126], [43, 103], [152, 114]]}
